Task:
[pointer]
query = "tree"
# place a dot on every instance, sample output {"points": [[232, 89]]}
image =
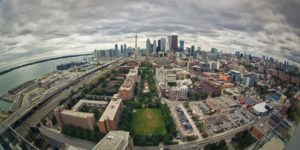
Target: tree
{"points": [[97, 114], [186, 105], [218, 145], [204, 95], [244, 139], [204, 135], [263, 89]]}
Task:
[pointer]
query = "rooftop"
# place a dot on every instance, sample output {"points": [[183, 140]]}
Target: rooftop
{"points": [[228, 101], [274, 143], [234, 71], [77, 114], [127, 84], [114, 140], [260, 107], [111, 109], [250, 100]]}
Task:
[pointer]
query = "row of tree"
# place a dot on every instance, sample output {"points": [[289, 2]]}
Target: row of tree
{"points": [[147, 74], [97, 112], [199, 96], [81, 133], [243, 139], [148, 100], [221, 145]]}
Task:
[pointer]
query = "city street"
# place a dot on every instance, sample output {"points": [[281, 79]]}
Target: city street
{"points": [[36, 117], [66, 139]]}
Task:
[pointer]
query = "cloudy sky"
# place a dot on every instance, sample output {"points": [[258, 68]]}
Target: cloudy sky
{"points": [[32, 29]]}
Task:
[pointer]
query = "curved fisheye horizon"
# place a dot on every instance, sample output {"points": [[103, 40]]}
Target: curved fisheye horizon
{"points": [[70, 27], [149, 75]]}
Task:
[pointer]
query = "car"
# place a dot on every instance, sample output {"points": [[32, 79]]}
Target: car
{"points": [[178, 136]]}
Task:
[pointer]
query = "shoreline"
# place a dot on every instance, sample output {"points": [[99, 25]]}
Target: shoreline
{"points": [[39, 61]]}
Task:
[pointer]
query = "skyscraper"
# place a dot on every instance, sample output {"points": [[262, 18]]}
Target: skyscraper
{"points": [[122, 50], [192, 51], [181, 45], [158, 45], [136, 51], [116, 51], [148, 46], [214, 50], [116, 47], [154, 47], [135, 41], [163, 44], [125, 50], [169, 42], [174, 43]]}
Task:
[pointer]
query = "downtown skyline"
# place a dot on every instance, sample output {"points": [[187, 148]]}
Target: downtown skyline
{"points": [[61, 28]]}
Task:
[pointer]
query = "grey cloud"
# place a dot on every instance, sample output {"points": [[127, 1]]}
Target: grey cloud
{"points": [[262, 27], [290, 10]]}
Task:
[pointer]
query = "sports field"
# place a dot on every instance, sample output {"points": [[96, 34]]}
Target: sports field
{"points": [[148, 121]]}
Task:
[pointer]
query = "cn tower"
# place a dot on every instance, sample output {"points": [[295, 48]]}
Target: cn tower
{"points": [[136, 42]]}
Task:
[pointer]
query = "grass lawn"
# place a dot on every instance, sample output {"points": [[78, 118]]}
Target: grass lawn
{"points": [[148, 121]]}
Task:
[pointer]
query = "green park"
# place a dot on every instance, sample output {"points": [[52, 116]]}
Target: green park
{"points": [[148, 122]]}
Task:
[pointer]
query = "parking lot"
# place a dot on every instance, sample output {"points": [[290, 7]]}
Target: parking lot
{"points": [[226, 119], [203, 108], [184, 122], [201, 120], [181, 121], [224, 122]]}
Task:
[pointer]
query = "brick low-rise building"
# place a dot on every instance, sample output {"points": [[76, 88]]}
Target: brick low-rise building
{"points": [[212, 88], [126, 90], [74, 118], [111, 116]]}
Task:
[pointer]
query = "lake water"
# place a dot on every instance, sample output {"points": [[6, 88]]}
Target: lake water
{"points": [[16, 77]]}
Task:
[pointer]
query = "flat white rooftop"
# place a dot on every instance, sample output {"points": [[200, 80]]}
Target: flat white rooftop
{"points": [[114, 140], [111, 109], [260, 107], [77, 114]]}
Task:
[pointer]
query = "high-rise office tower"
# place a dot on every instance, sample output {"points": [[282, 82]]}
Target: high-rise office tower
{"points": [[116, 47], [154, 47], [192, 51], [122, 50], [158, 45], [136, 51], [125, 50], [148, 46], [163, 44], [174, 43], [116, 51], [181, 45], [135, 41], [169, 42], [214, 50]]}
